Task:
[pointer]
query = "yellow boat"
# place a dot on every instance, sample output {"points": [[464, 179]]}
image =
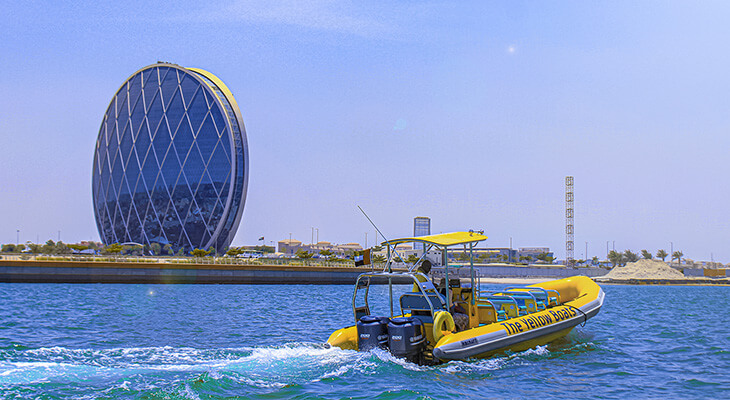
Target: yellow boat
{"points": [[424, 331]]}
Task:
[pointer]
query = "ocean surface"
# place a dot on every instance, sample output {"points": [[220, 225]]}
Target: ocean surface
{"points": [[265, 342]]}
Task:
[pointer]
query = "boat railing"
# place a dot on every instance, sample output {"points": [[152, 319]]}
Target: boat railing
{"points": [[506, 303], [549, 297], [528, 302], [426, 292]]}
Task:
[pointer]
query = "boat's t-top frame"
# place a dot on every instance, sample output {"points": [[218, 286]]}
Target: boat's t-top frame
{"points": [[442, 242]]}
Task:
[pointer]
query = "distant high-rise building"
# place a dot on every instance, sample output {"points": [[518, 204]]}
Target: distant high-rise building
{"points": [[421, 227]]}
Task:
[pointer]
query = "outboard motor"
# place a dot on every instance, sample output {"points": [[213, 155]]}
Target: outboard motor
{"points": [[407, 339], [372, 332]]}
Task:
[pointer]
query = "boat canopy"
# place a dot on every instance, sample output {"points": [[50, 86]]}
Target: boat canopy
{"points": [[442, 239]]}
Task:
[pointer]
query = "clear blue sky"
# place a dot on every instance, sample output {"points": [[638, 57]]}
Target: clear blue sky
{"points": [[470, 113]]}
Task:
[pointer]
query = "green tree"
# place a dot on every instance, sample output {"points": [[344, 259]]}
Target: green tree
{"points": [[77, 247], [114, 248], [234, 251], [167, 250], [379, 259], [156, 249], [463, 256], [62, 248], [35, 248], [615, 258], [646, 255], [49, 247], [661, 254], [212, 251], [325, 253], [199, 253], [412, 259], [8, 248], [303, 254], [180, 252], [133, 249], [377, 248], [631, 256], [678, 256]]}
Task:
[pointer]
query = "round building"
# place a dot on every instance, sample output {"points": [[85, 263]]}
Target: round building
{"points": [[171, 161]]}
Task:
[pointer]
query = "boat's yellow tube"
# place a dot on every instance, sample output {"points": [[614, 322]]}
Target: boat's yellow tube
{"points": [[580, 297], [345, 338]]}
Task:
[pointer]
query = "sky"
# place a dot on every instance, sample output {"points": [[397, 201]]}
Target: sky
{"points": [[470, 113]]}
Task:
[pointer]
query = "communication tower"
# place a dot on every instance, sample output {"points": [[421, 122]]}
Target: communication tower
{"points": [[569, 257]]}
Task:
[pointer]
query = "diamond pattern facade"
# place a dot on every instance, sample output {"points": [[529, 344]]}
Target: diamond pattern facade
{"points": [[171, 161]]}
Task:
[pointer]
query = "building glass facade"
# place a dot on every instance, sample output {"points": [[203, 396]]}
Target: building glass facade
{"points": [[171, 161], [421, 227]]}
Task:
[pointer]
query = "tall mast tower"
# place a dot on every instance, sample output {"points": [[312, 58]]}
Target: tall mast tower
{"points": [[569, 257]]}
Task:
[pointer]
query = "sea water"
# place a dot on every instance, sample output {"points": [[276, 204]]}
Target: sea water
{"points": [[266, 342]]}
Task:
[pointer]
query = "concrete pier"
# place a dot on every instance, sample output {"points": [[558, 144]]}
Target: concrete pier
{"points": [[124, 272]]}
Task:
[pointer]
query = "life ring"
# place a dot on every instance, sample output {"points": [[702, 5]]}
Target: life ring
{"points": [[438, 322]]}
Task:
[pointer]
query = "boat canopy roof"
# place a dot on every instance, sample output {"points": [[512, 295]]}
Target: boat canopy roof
{"points": [[442, 239]]}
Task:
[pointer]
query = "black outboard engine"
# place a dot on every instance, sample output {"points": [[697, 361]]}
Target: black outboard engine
{"points": [[407, 339], [372, 332]]}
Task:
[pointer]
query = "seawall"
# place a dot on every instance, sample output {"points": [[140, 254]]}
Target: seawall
{"points": [[124, 272]]}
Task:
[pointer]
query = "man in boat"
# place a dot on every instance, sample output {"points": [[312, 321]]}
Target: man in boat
{"points": [[461, 319], [424, 268]]}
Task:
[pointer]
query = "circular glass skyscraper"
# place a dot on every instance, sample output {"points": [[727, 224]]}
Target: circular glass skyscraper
{"points": [[171, 161]]}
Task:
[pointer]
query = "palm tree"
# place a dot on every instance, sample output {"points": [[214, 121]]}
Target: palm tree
{"points": [[661, 254], [646, 255], [631, 256], [678, 255], [615, 257]]}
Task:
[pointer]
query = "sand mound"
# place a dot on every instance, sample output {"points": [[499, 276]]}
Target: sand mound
{"points": [[645, 269]]}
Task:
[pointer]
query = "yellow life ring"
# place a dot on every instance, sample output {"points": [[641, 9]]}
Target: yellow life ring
{"points": [[438, 322]]}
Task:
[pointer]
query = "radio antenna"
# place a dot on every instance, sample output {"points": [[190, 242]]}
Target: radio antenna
{"points": [[372, 223], [390, 258]]}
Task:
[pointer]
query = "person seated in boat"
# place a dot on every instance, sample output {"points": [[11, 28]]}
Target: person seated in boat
{"points": [[424, 268], [461, 319]]}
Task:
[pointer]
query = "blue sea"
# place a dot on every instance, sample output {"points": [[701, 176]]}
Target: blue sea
{"points": [[60, 341]]}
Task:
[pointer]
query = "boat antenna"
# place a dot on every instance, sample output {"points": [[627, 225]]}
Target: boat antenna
{"points": [[372, 223], [381, 234]]}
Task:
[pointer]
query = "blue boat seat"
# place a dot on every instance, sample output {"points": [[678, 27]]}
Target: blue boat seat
{"points": [[417, 302]]}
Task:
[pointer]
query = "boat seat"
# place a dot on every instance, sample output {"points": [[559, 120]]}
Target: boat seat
{"points": [[488, 313], [417, 302], [361, 312], [525, 300], [506, 304]]}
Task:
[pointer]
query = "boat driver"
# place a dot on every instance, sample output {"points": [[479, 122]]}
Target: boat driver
{"points": [[461, 319]]}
